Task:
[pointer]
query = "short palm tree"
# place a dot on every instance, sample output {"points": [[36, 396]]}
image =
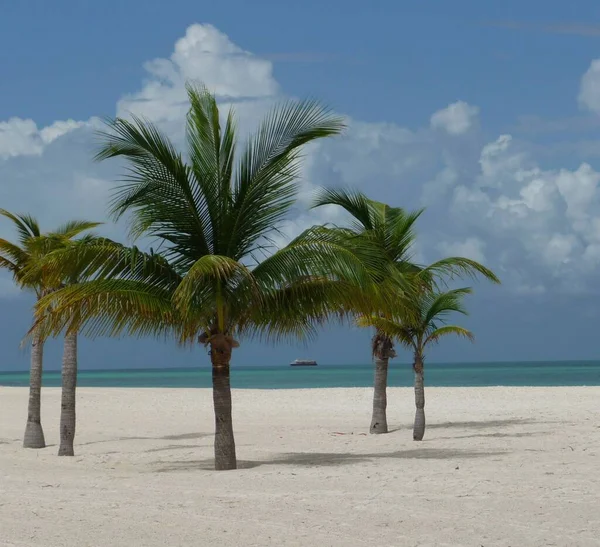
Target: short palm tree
{"points": [[21, 259], [213, 278], [384, 234], [424, 325]]}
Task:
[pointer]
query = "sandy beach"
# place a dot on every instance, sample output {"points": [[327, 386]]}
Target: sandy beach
{"points": [[498, 466]]}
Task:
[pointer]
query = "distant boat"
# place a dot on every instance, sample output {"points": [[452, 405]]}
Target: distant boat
{"points": [[303, 363]]}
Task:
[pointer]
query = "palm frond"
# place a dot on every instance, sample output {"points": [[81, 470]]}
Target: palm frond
{"points": [[456, 266], [400, 235], [108, 307], [26, 225], [436, 306], [13, 253], [73, 228], [157, 188], [8, 265], [355, 203], [212, 154], [448, 330], [264, 188], [295, 311], [213, 283]]}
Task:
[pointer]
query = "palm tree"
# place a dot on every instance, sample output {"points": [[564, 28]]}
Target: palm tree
{"points": [[423, 326], [21, 259], [386, 234], [212, 278], [60, 275]]}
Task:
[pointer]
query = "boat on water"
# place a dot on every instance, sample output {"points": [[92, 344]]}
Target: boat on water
{"points": [[303, 363]]}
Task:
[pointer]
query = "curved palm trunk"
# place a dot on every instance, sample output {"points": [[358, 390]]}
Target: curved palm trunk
{"points": [[419, 426], [379, 418], [34, 434], [67, 405], [220, 356]]}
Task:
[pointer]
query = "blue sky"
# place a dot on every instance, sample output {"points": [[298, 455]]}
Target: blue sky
{"points": [[485, 113]]}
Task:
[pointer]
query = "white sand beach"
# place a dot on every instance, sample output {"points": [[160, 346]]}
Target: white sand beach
{"points": [[498, 466]]}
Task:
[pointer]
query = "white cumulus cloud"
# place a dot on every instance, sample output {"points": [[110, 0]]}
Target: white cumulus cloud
{"points": [[457, 118]]}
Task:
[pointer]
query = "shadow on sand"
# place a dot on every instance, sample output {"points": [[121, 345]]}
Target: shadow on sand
{"points": [[476, 425], [319, 459], [182, 437]]}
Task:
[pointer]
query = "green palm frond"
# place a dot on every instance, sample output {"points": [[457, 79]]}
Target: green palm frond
{"points": [[73, 228], [295, 311], [317, 251], [353, 202], [96, 257], [8, 265], [399, 234], [213, 282], [264, 181], [455, 266], [212, 153], [446, 330], [109, 307], [26, 225], [12, 254], [436, 306], [157, 189]]}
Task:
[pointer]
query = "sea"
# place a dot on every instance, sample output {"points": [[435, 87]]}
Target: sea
{"points": [[555, 373]]}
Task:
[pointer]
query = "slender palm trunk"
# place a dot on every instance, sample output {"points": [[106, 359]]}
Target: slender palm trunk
{"points": [[225, 458], [34, 434], [383, 351], [379, 419], [419, 427], [67, 405]]}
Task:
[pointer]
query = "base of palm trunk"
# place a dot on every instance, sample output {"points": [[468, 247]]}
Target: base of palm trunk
{"points": [[378, 425], [66, 451], [34, 436]]}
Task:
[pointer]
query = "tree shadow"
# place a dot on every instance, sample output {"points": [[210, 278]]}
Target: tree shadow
{"points": [[475, 424], [496, 435], [172, 447], [180, 437], [483, 424], [322, 459], [184, 436]]}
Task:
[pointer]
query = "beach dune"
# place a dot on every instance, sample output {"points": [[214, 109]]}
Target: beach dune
{"points": [[498, 466]]}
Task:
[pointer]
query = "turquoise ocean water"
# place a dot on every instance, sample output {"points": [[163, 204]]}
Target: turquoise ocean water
{"points": [[559, 373]]}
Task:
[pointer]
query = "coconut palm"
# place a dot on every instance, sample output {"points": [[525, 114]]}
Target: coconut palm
{"points": [[212, 278], [387, 233], [20, 259], [424, 325]]}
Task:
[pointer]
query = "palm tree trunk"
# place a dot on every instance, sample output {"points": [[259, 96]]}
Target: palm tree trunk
{"points": [[419, 427], [220, 355], [34, 434], [379, 419], [67, 405]]}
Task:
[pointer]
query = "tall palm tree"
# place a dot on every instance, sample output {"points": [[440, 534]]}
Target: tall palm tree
{"points": [[21, 259], [425, 325], [380, 232], [212, 278]]}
